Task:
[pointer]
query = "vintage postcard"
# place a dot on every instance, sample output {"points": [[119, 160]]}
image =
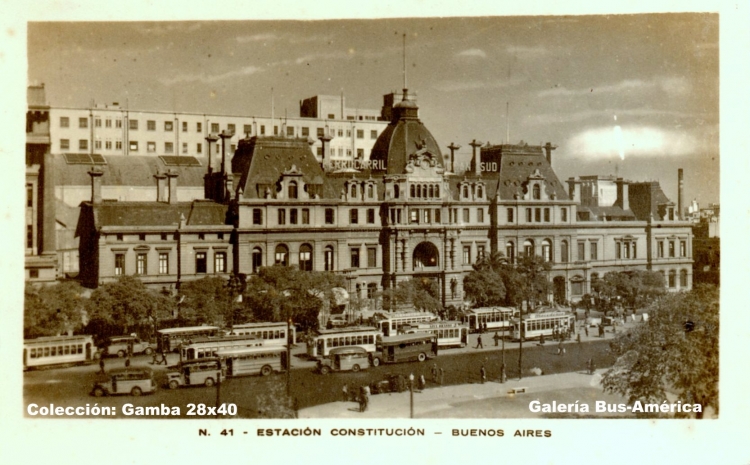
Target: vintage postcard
{"points": [[470, 229]]}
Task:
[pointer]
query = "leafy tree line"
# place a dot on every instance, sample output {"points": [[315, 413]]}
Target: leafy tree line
{"points": [[495, 281]]}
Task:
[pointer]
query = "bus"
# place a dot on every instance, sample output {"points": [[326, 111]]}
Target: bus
{"points": [[132, 380], [328, 339], [254, 360], [272, 334], [495, 318], [210, 346], [344, 359], [203, 371], [169, 339], [405, 347], [449, 333], [537, 324], [391, 323], [58, 350]]}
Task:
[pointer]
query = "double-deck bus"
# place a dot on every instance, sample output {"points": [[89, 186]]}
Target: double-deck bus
{"points": [[449, 333], [495, 318], [170, 339], [210, 346], [58, 350], [390, 323], [404, 348], [272, 334], [328, 339], [254, 360], [536, 324]]}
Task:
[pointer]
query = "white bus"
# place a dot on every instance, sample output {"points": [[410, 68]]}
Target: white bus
{"points": [[170, 339], [328, 339], [536, 324], [210, 346], [449, 333], [272, 334], [254, 360], [496, 318], [58, 350], [391, 323], [204, 372]]}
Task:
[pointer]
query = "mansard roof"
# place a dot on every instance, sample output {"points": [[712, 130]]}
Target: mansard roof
{"points": [[127, 171], [156, 214], [516, 163]]}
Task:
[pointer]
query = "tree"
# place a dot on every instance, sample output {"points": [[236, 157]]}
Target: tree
{"points": [[533, 285], [677, 349], [52, 310], [636, 288], [485, 288], [417, 293], [206, 301]]}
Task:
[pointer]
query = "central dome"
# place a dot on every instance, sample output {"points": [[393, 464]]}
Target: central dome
{"points": [[405, 137]]}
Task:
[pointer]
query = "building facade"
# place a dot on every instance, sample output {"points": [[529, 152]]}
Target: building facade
{"points": [[406, 214]]}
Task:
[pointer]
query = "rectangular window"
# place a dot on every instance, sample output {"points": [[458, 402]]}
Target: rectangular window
{"points": [[353, 216], [29, 236], [184, 147], [320, 132], [108, 144], [64, 144], [671, 249], [635, 254], [150, 147], [83, 144], [329, 216], [151, 125], [97, 144], [118, 123], [220, 262], [618, 251], [328, 259], [97, 122], [672, 279], [133, 124], [163, 263], [29, 195], [200, 262], [275, 130], [305, 216], [290, 131], [168, 147], [293, 216], [660, 249], [262, 129], [215, 128], [546, 215], [480, 215], [360, 134], [119, 264], [257, 216], [467, 255], [108, 123], [64, 122], [593, 249], [360, 153], [247, 129], [372, 253], [118, 145], [168, 126], [581, 251], [374, 134], [480, 251], [371, 216], [466, 215], [437, 215], [538, 215], [528, 215], [355, 257], [83, 123], [683, 249], [198, 127], [305, 132], [199, 147], [133, 145], [282, 216], [510, 215], [414, 215], [427, 216], [140, 264], [564, 214], [231, 128], [184, 126]]}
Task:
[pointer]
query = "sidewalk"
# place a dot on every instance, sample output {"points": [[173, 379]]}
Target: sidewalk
{"points": [[464, 401]]}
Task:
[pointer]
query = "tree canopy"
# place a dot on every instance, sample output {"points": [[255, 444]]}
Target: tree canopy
{"points": [[636, 288], [52, 310], [206, 301], [496, 281], [676, 350], [418, 293]]}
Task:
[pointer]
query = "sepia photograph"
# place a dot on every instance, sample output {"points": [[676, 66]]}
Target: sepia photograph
{"points": [[480, 226]]}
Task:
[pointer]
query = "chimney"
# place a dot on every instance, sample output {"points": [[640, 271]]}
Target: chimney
{"points": [[475, 166], [548, 147], [623, 194], [96, 185], [161, 183], [323, 139], [453, 147], [172, 181], [574, 190], [680, 193]]}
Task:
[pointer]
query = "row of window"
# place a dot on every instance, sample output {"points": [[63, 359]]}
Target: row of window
{"points": [[671, 278], [672, 248], [141, 263], [56, 351], [83, 123], [281, 257], [165, 237], [369, 189]]}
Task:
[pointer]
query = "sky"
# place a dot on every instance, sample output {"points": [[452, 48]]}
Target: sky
{"points": [[632, 95]]}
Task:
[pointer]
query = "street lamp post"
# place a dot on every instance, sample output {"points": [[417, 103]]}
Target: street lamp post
{"points": [[411, 395], [288, 354]]}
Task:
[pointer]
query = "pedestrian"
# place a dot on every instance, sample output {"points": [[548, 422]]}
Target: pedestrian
{"points": [[422, 383], [345, 393], [588, 365], [586, 329], [434, 373], [482, 374], [130, 349], [578, 338], [496, 337], [127, 362], [593, 366], [441, 374], [101, 364], [541, 339], [362, 399], [164, 357], [479, 342]]}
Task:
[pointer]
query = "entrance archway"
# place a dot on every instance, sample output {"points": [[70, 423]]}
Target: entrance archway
{"points": [[425, 255]]}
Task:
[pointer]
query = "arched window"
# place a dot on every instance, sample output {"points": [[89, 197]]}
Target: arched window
{"points": [[292, 190], [370, 191], [510, 251], [354, 191], [257, 259], [480, 192], [466, 192], [328, 258], [547, 250], [425, 254], [683, 278], [564, 251], [537, 192], [437, 191], [528, 248], [672, 278], [305, 257], [419, 191], [412, 191], [396, 191], [281, 257], [432, 191]]}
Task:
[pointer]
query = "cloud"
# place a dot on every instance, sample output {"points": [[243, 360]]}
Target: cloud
{"points": [[207, 79], [472, 53], [529, 52], [637, 141], [267, 37], [606, 114], [674, 86]]}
